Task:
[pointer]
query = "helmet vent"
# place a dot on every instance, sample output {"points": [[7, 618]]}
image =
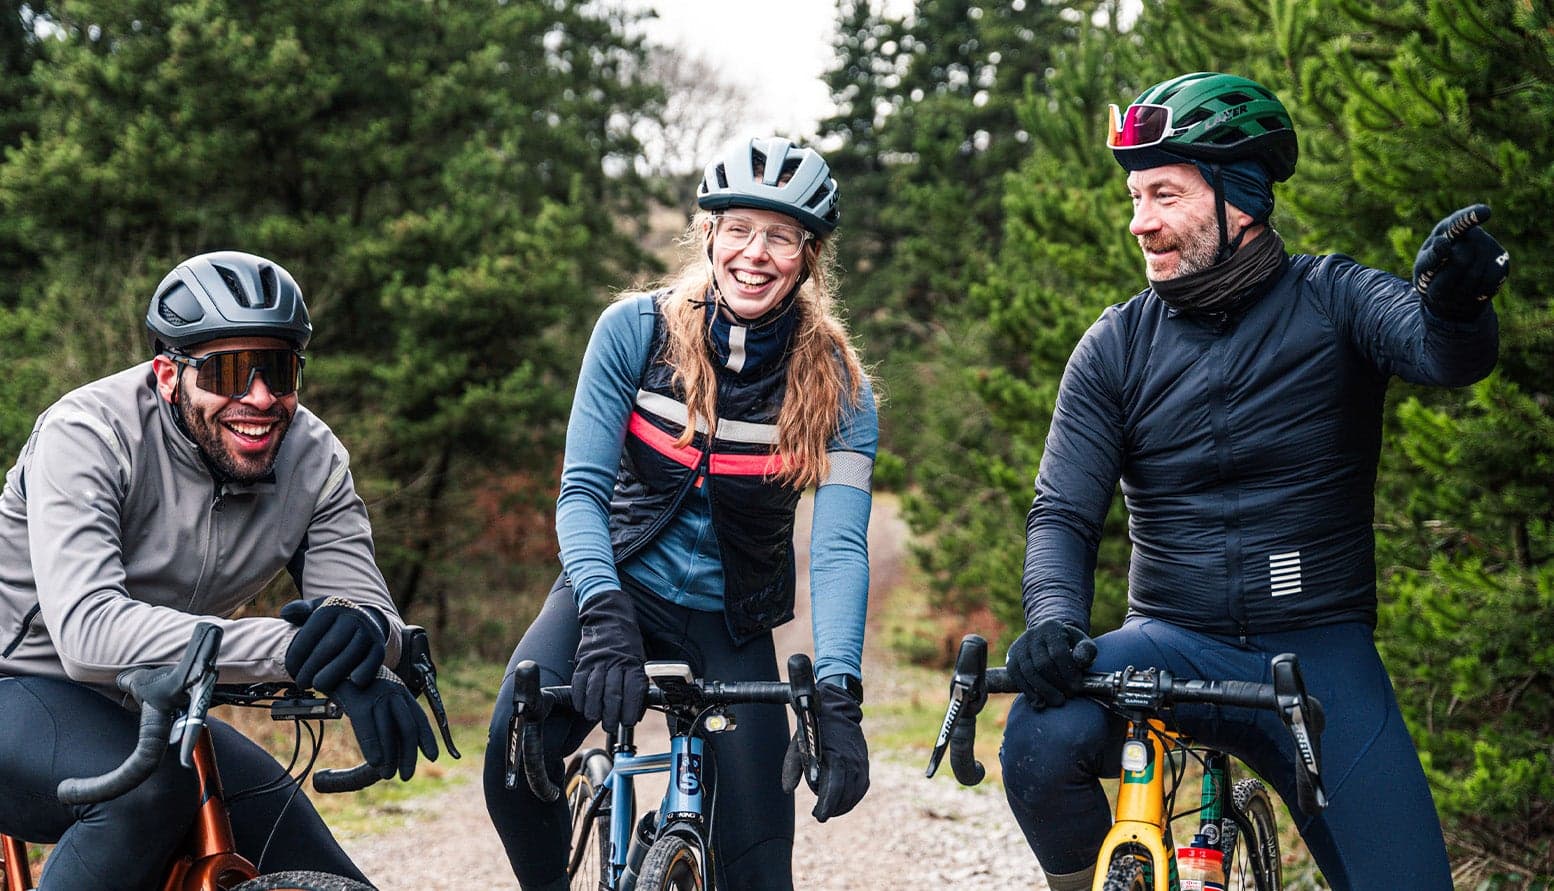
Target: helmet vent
{"points": [[267, 287], [230, 279], [722, 173], [168, 316], [1198, 116], [820, 195]]}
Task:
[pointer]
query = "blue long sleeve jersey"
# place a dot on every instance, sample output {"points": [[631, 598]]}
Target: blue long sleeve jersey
{"points": [[682, 564], [1246, 449]]}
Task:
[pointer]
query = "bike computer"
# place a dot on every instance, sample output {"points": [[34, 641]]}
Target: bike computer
{"points": [[660, 671]]}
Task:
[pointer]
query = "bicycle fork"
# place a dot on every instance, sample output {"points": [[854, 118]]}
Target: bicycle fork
{"points": [[1141, 825], [681, 807], [14, 868]]}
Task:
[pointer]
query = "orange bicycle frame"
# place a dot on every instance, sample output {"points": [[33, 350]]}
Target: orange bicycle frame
{"points": [[208, 859]]}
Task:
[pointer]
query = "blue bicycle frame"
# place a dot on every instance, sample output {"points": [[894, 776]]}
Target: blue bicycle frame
{"points": [[695, 709], [682, 802]]}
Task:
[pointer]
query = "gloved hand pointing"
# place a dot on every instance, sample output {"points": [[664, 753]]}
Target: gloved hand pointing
{"points": [[1460, 266], [1047, 663]]}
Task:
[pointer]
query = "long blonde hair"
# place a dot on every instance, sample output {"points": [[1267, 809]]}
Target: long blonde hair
{"points": [[824, 371]]}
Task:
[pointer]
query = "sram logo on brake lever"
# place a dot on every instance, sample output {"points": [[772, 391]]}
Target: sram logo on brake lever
{"points": [[951, 715]]}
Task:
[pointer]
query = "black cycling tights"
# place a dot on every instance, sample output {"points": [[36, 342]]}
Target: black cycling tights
{"points": [[53, 729], [753, 819]]}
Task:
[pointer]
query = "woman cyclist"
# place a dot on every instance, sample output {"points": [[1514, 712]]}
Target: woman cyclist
{"points": [[703, 409]]}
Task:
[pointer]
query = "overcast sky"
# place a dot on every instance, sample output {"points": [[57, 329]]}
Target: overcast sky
{"points": [[777, 50]]}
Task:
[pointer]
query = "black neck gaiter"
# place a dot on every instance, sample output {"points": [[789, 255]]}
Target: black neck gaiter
{"points": [[1229, 286]]}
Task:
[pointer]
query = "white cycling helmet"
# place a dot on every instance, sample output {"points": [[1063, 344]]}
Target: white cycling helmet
{"points": [[773, 174]]}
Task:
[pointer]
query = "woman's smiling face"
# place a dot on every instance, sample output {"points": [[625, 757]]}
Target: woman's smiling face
{"points": [[750, 276]]}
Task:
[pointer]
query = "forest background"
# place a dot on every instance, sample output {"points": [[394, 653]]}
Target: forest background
{"points": [[461, 186]]}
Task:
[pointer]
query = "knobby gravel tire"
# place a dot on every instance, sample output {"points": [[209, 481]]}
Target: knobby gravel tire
{"points": [[302, 881], [1125, 873], [671, 865], [1251, 844]]}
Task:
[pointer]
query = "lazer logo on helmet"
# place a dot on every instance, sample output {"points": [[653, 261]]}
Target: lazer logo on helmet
{"points": [[1226, 116]]}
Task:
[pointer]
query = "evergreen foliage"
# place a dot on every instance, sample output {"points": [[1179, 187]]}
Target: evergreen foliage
{"points": [[930, 124], [443, 179], [1406, 111]]}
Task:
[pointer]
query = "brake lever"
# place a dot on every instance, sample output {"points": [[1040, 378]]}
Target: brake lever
{"points": [[187, 726], [968, 694], [801, 685], [198, 678], [527, 706], [1302, 715], [421, 677]]}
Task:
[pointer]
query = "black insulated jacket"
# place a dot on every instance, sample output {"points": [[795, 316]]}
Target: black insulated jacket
{"points": [[1246, 449]]}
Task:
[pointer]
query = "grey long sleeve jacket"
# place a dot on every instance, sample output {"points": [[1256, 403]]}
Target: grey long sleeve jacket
{"points": [[115, 540]]}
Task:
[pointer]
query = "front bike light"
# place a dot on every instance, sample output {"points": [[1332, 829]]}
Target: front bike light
{"points": [[1135, 755], [718, 723]]}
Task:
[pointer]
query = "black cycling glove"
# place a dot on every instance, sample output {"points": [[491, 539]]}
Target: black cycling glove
{"points": [[844, 758], [609, 684], [1047, 663], [1460, 266], [389, 724], [337, 638]]}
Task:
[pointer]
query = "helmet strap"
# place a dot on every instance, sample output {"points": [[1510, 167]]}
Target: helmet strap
{"points": [[178, 408], [1226, 247]]}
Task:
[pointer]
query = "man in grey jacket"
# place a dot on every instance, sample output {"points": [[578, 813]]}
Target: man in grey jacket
{"points": [[160, 497]]}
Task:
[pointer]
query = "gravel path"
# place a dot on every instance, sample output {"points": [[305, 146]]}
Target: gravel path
{"points": [[907, 832]]}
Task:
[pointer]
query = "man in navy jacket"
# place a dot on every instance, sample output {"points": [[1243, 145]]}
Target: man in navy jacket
{"points": [[1238, 400]]}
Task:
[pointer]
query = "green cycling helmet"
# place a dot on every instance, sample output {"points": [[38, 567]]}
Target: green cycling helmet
{"points": [[1205, 116]]}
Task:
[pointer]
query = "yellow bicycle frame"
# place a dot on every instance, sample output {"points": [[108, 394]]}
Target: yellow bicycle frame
{"points": [[1140, 820]]}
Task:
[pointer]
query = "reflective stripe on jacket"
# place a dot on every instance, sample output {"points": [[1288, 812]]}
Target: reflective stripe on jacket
{"points": [[1246, 449], [753, 514]]}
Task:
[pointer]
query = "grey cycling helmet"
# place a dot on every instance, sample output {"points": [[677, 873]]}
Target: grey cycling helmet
{"points": [[773, 174], [226, 294]]}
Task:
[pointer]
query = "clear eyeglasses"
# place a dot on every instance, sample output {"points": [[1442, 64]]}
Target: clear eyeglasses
{"points": [[736, 233]]}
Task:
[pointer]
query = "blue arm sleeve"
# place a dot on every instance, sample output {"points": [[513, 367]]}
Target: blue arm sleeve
{"points": [[1078, 476], [596, 431], [1386, 320], [839, 544]]}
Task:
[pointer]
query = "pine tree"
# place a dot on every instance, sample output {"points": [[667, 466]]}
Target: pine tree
{"points": [[1439, 106], [443, 180], [1064, 256]]}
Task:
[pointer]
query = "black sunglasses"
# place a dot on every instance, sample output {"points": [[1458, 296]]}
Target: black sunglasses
{"points": [[230, 373]]}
